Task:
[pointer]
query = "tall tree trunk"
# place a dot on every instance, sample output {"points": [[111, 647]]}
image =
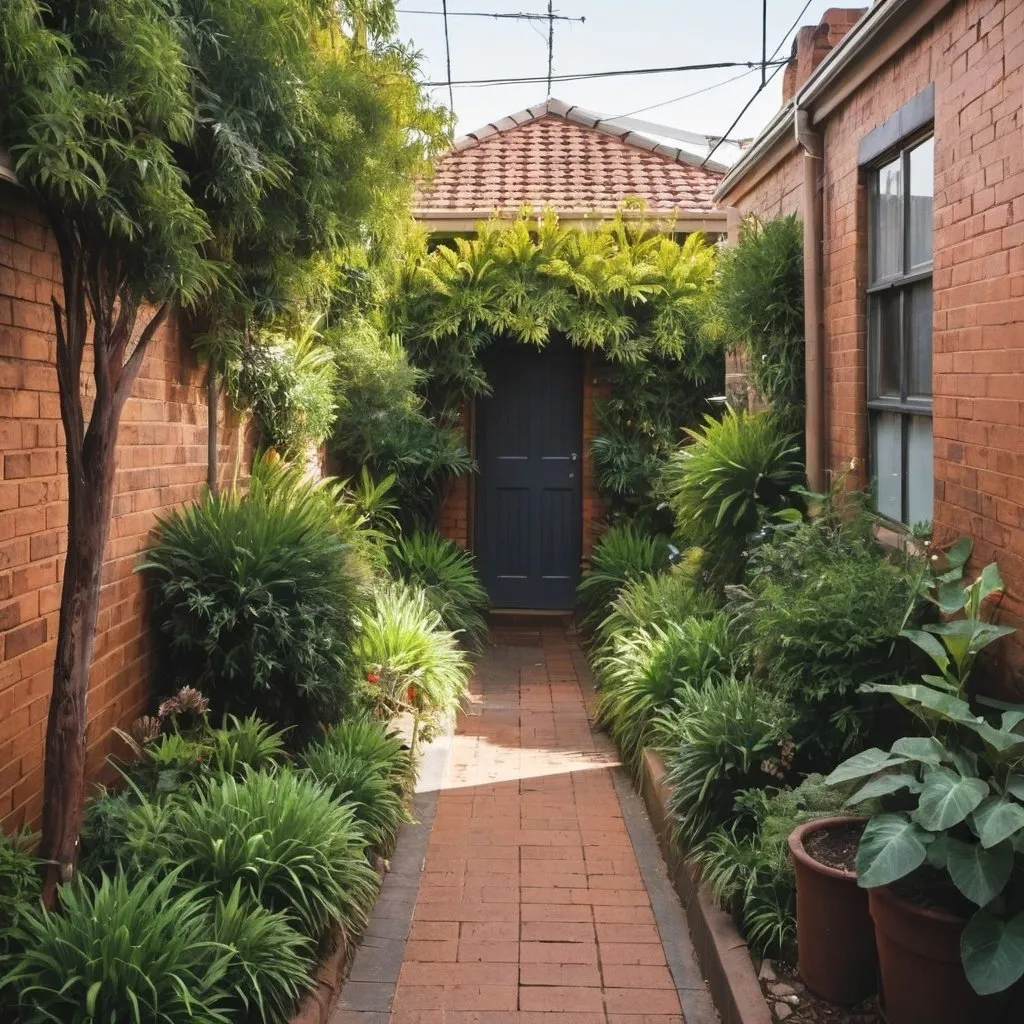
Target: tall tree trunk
{"points": [[90, 494], [90, 287], [211, 429]]}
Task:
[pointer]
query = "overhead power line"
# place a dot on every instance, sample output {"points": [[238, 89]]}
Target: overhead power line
{"points": [[509, 15], [764, 79], [685, 96], [448, 56], [609, 74]]}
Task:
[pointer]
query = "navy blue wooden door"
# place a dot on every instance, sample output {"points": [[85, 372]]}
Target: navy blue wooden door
{"points": [[529, 515]]}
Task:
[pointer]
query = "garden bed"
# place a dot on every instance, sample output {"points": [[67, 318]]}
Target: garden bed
{"points": [[745, 991]]}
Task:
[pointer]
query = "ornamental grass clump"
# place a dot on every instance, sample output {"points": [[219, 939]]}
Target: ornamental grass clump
{"points": [[725, 483], [122, 951], [448, 577], [622, 553], [290, 844], [720, 739], [410, 662], [640, 677], [656, 599], [257, 594]]}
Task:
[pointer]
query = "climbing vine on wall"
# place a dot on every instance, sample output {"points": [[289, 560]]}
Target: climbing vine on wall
{"points": [[627, 291]]}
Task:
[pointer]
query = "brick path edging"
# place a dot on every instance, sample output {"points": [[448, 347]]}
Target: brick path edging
{"points": [[317, 1004], [721, 950]]}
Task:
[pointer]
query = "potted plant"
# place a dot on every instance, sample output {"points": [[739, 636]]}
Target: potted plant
{"points": [[944, 861], [835, 937]]}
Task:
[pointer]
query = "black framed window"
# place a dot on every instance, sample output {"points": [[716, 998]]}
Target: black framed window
{"points": [[901, 191]]}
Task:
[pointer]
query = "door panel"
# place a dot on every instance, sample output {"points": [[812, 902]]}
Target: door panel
{"points": [[528, 523]]}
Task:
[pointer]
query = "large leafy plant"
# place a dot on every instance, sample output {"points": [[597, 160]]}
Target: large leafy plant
{"points": [[961, 785], [723, 484], [257, 594], [759, 306]]}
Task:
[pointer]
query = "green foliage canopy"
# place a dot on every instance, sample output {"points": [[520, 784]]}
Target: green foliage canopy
{"points": [[632, 295]]}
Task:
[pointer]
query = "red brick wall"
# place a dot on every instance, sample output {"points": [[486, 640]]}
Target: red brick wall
{"points": [[778, 193], [162, 463], [974, 53]]}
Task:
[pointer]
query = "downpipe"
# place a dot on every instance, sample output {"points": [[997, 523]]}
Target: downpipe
{"points": [[814, 333]]}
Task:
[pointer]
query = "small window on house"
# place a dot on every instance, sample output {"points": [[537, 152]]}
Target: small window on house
{"points": [[901, 194]]}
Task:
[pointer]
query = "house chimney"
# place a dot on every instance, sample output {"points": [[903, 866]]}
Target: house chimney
{"points": [[813, 43]]}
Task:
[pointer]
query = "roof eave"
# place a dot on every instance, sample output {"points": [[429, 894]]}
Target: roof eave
{"points": [[778, 129], [452, 220]]}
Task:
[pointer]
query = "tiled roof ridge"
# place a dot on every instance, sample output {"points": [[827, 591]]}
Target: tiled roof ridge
{"points": [[552, 107]]}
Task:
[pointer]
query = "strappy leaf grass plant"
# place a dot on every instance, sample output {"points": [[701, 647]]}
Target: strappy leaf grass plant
{"points": [[448, 577]]}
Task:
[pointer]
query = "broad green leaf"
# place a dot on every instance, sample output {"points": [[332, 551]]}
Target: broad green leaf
{"points": [[1010, 720], [989, 581], [999, 740], [883, 785], [980, 874], [998, 818], [992, 952], [957, 636], [958, 554], [951, 596], [892, 846], [938, 851], [925, 749], [988, 633], [944, 704], [931, 646], [867, 762], [1015, 786], [947, 798]]}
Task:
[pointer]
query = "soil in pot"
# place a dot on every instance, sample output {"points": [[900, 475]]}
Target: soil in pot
{"points": [[835, 935], [918, 927]]}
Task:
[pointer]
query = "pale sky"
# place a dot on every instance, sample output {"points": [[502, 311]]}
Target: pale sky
{"points": [[617, 34]]}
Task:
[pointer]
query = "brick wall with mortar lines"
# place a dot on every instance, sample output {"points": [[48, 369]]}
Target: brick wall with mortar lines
{"points": [[974, 53], [161, 464]]}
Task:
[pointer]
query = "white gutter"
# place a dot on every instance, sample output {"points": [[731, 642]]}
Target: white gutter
{"points": [[776, 129]]}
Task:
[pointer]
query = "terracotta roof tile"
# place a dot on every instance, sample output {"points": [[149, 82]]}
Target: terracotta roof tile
{"points": [[558, 155]]}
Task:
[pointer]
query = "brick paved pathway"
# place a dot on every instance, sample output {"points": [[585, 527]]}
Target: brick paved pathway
{"points": [[531, 908]]}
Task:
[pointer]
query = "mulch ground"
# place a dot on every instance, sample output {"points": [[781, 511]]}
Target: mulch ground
{"points": [[790, 1001]]}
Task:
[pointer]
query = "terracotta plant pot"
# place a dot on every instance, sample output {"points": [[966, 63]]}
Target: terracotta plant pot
{"points": [[923, 979], [835, 937]]}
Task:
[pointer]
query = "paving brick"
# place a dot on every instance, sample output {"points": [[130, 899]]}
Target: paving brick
{"points": [[517, 919]]}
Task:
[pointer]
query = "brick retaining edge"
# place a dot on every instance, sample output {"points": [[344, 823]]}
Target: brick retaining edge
{"points": [[328, 975], [721, 950]]}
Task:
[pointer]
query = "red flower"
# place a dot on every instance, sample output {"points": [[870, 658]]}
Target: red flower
{"points": [[410, 694], [372, 677]]}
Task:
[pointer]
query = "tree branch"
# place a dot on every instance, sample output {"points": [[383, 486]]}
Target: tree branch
{"points": [[134, 364]]}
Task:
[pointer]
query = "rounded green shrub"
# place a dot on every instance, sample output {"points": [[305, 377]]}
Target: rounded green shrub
{"points": [[257, 594]]}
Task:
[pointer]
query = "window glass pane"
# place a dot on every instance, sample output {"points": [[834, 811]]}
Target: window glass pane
{"points": [[887, 221], [922, 189], [919, 356], [887, 461], [886, 328], [920, 486]]}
